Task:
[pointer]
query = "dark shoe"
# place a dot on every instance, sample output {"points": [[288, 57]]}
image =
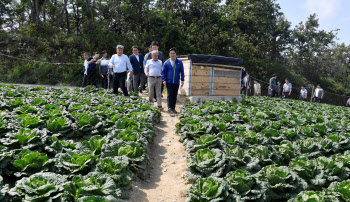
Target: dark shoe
{"points": [[162, 95], [170, 111], [160, 108], [154, 100], [174, 111]]}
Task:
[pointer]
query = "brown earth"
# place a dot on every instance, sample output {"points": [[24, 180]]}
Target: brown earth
{"points": [[163, 180]]}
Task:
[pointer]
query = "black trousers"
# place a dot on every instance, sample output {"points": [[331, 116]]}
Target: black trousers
{"points": [[119, 81], [104, 81], [110, 81], [172, 94], [84, 80], [246, 91], [161, 92], [91, 77]]}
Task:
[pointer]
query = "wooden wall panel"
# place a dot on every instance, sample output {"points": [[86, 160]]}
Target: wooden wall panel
{"points": [[227, 80], [226, 92], [200, 92]]}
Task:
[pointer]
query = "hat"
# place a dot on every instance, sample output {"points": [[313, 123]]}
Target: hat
{"points": [[273, 75]]}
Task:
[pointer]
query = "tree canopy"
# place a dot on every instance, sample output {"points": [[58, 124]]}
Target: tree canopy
{"points": [[254, 30]]}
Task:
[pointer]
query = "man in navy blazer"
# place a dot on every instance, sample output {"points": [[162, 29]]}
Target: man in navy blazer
{"points": [[136, 60]]}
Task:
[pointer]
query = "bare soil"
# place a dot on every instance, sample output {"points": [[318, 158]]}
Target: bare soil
{"points": [[163, 180]]}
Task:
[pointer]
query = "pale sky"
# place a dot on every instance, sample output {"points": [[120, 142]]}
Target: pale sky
{"points": [[332, 14]]}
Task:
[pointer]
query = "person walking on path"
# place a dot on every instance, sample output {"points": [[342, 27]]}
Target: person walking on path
{"points": [[121, 65], [172, 72], [155, 47], [257, 88], [86, 56], [303, 93], [153, 71], [287, 89], [246, 85], [91, 70], [273, 86], [136, 60], [104, 70], [318, 94]]}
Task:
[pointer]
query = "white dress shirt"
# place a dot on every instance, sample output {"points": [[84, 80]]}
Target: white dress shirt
{"points": [[137, 57], [303, 93], [287, 87], [154, 68], [121, 63], [86, 66]]}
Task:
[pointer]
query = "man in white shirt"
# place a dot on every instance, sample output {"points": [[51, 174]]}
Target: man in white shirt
{"points": [[257, 88], [303, 93], [287, 89], [86, 56], [120, 64], [318, 94], [153, 71]]}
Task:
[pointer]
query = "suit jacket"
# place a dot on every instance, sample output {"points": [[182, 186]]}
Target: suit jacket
{"points": [[136, 65]]}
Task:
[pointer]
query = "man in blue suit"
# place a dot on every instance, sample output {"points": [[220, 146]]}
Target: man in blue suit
{"points": [[172, 72], [136, 60]]}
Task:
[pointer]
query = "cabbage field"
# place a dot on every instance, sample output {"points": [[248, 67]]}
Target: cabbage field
{"points": [[266, 150], [71, 145]]}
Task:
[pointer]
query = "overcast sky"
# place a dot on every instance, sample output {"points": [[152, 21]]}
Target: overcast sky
{"points": [[332, 14]]}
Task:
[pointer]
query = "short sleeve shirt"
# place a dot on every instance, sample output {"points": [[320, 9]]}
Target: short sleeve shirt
{"points": [[257, 88], [303, 93], [287, 87]]}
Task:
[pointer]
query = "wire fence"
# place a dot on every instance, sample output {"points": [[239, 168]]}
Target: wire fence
{"points": [[328, 97], [26, 71]]}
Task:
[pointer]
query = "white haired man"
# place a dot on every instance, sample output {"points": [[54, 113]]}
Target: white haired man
{"points": [[153, 71], [121, 65]]}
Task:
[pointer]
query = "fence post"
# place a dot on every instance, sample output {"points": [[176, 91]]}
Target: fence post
{"points": [[312, 92]]}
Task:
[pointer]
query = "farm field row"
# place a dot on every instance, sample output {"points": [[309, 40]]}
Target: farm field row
{"points": [[266, 150], [71, 145]]}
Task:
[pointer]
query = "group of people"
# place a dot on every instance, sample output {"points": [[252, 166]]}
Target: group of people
{"points": [[276, 89], [152, 68]]}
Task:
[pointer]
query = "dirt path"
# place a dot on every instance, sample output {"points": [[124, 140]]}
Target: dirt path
{"points": [[163, 178]]}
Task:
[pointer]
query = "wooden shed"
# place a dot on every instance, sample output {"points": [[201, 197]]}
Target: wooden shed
{"points": [[211, 76]]}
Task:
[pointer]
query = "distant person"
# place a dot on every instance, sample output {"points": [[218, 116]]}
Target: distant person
{"points": [[91, 70], [153, 71], [244, 71], [246, 85], [279, 89], [104, 69], [348, 102], [303, 93], [287, 89], [86, 56], [121, 65], [273, 86], [257, 88], [318, 94], [136, 60], [172, 72], [155, 47]]}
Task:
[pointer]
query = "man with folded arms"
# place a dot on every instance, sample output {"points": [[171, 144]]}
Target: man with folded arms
{"points": [[153, 71], [121, 65], [91, 70]]}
